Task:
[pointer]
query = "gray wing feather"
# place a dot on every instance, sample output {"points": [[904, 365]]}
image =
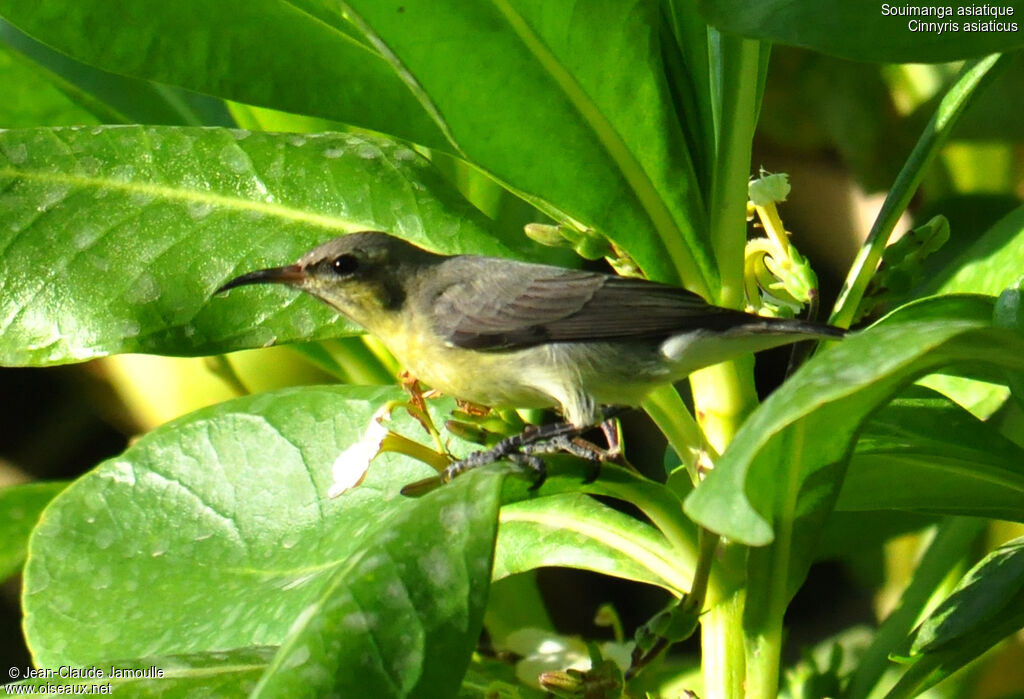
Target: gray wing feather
{"points": [[513, 304]]}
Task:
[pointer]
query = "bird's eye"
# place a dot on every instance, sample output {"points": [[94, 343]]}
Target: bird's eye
{"points": [[344, 265]]}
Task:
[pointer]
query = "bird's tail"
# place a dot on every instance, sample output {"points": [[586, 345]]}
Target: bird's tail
{"points": [[797, 327]]}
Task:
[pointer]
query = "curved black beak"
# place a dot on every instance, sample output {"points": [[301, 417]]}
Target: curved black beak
{"points": [[291, 274]]}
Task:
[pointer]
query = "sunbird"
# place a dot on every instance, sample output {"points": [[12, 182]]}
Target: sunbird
{"points": [[505, 333]]}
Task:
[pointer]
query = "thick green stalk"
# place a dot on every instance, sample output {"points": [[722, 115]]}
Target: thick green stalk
{"points": [[723, 659], [724, 394]]}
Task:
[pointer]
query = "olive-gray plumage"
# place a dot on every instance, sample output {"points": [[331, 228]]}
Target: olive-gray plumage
{"points": [[502, 332]]}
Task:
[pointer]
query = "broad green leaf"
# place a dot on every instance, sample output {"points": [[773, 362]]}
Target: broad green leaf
{"points": [[865, 30], [214, 531], [401, 616], [564, 103], [31, 99], [111, 98], [574, 530], [114, 239], [294, 56], [808, 424], [990, 264], [675, 541], [230, 673], [986, 607], [779, 478], [20, 506], [902, 461]]}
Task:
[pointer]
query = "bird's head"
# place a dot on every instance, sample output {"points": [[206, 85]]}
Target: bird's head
{"points": [[359, 274]]}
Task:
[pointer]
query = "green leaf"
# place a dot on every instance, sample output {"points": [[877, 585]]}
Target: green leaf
{"points": [[980, 595], [565, 104], [820, 408], [214, 531], [902, 461], [401, 616], [31, 99], [231, 673], [949, 542], [865, 30], [986, 607], [111, 98], [294, 56], [576, 531], [778, 480], [20, 506], [990, 264], [116, 238]]}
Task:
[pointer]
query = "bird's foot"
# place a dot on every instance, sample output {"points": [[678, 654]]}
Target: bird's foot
{"points": [[522, 449]]}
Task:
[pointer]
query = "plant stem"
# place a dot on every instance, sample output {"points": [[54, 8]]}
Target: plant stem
{"points": [[723, 660], [724, 395], [670, 414], [951, 108]]}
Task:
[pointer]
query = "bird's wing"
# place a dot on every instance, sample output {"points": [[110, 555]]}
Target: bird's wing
{"points": [[513, 304]]}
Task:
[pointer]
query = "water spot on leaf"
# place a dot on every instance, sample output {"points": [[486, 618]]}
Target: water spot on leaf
{"points": [[297, 141], [437, 567], [368, 151], [108, 633], [88, 165], [51, 197], [144, 290], [38, 581], [303, 323], [17, 153], [359, 621], [123, 173], [140, 198], [404, 155], [334, 152], [120, 472], [104, 538], [234, 158], [455, 518], [86, 236], [199, 210], [101, 579]]}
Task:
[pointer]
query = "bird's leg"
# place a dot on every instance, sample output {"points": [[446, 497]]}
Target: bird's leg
{"points": [[584, 448], [522, 449]]}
